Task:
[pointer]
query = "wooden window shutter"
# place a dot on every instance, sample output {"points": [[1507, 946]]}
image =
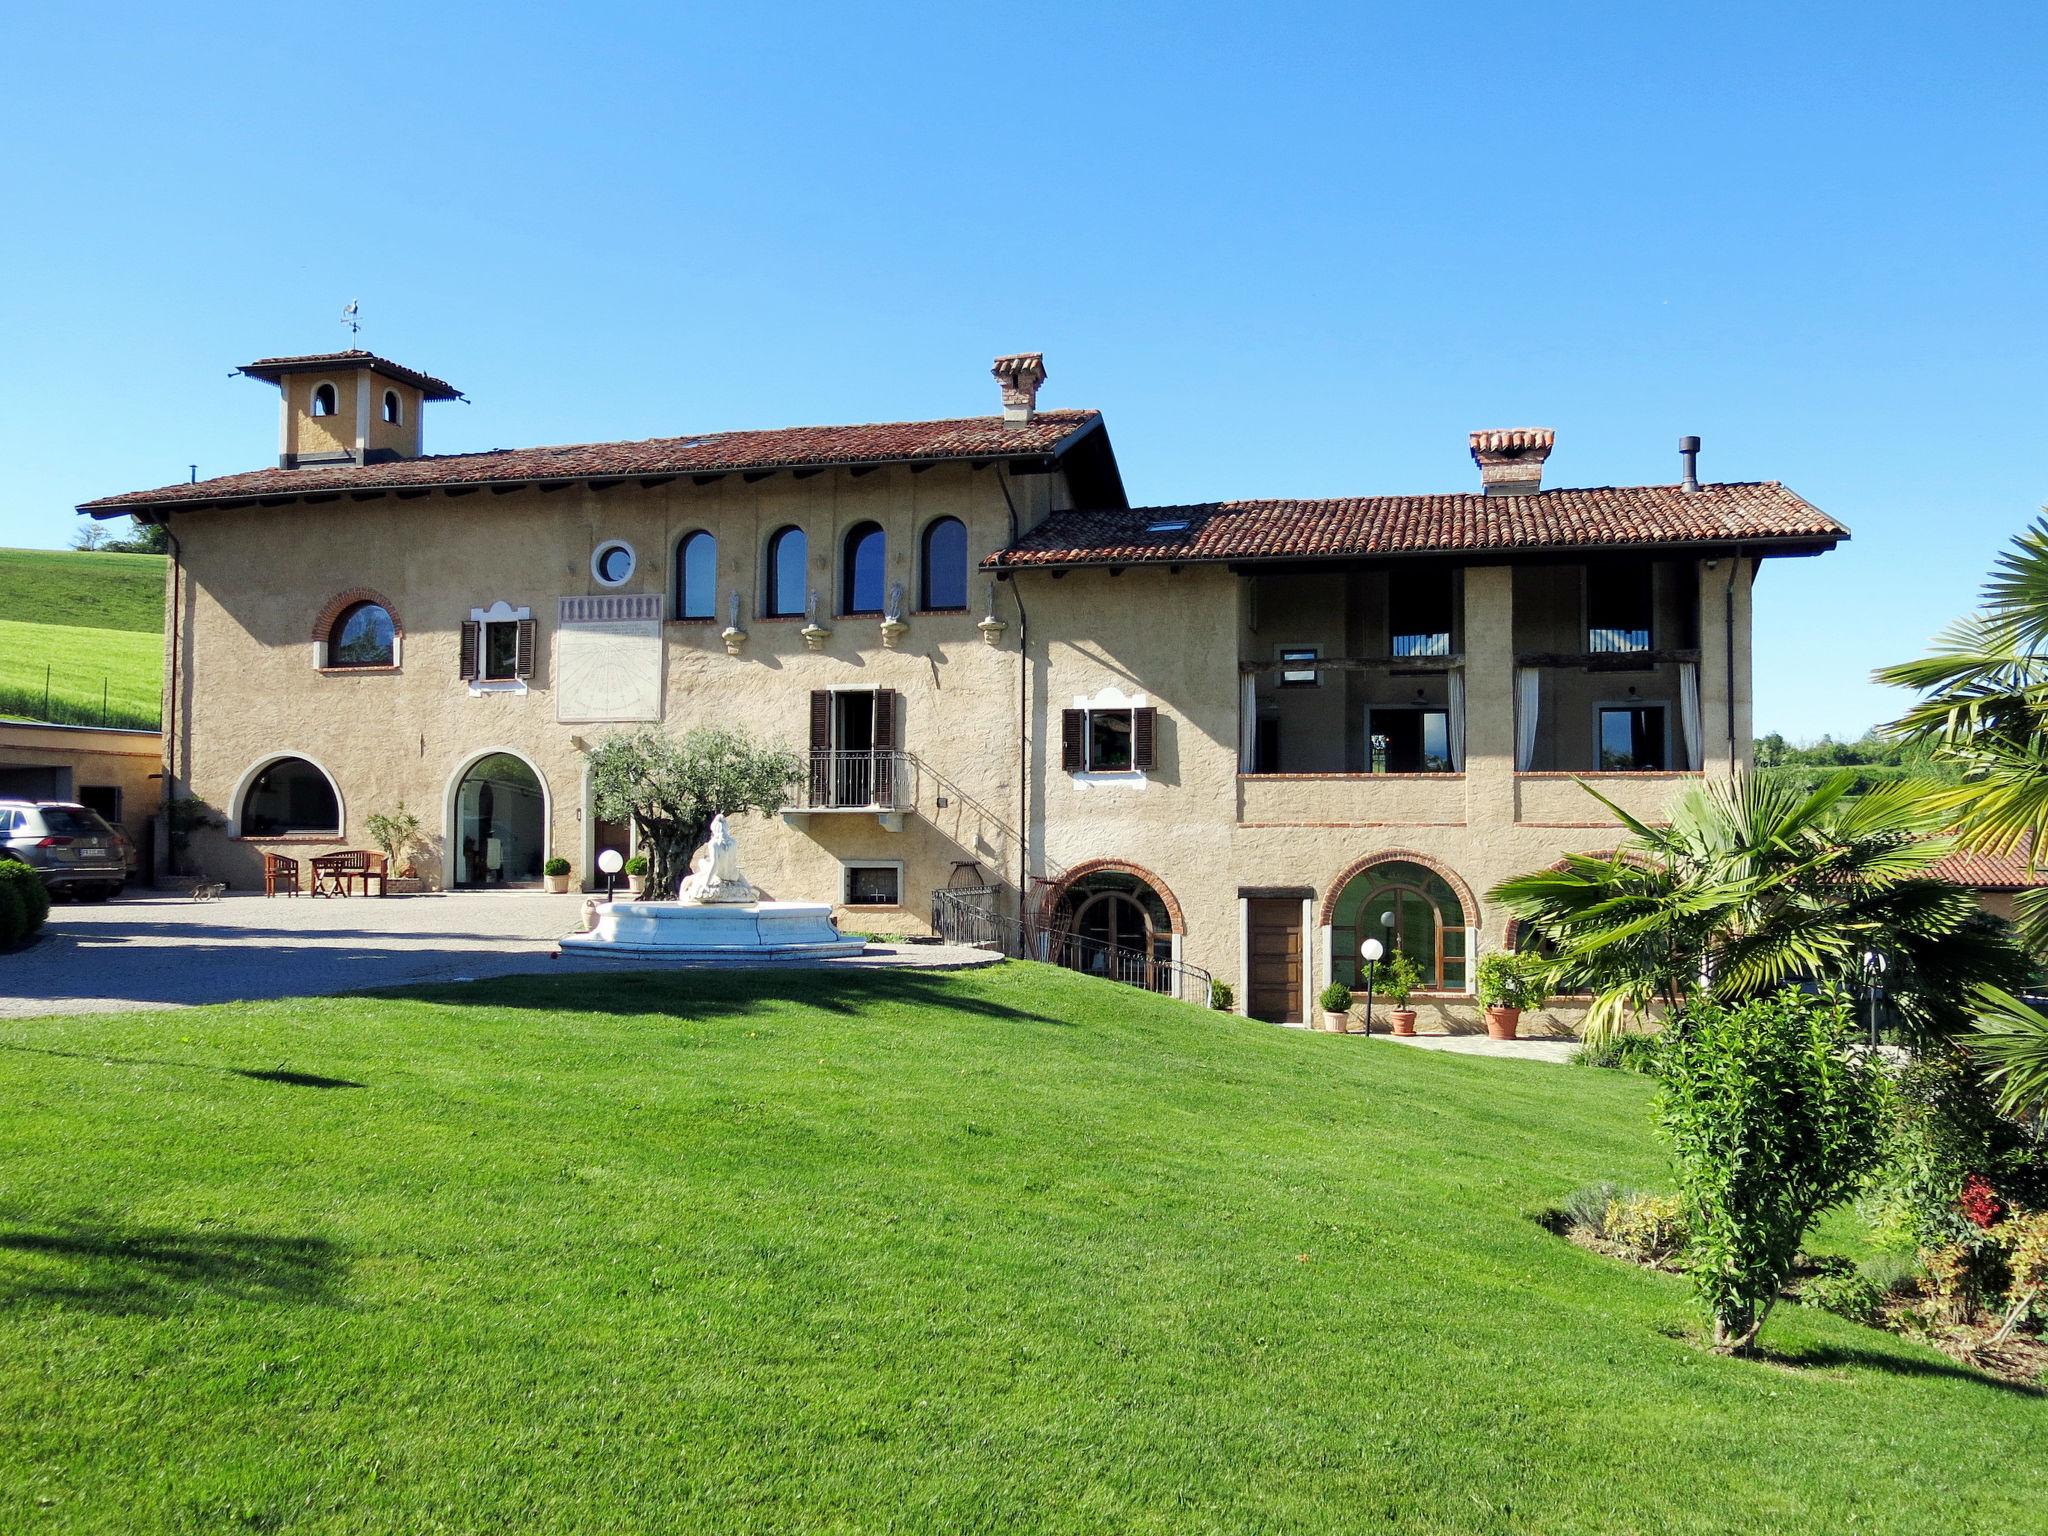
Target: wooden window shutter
{"points": [[523, 667], [1072, 724], [1145, 739], [472, 647], [821, 744], [885, 720]]}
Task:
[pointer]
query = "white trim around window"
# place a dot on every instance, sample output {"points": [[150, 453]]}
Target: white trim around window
{"points": [[846, 869], [500, 612]]}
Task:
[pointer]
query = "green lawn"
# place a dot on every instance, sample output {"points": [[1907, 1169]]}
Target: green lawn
{"points": [[90, 626], [75, 676], [1010, 1250], [85, 591]]}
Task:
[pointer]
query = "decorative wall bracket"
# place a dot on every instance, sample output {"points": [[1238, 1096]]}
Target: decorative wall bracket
{"points": [[815, 635], [893, 630], [734, 637], [992, 629]]}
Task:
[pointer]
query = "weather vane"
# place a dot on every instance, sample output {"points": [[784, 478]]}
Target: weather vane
{"points": [[349, 318]]}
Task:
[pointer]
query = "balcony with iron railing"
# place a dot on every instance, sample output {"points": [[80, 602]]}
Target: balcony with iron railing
{"points": [[873, 783]]}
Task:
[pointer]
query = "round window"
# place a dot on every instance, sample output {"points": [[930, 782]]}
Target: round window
{"points": [[613, 563]]}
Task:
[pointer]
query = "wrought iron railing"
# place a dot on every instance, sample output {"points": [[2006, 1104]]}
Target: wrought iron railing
{"points": [[959, 917], [860, 781]]}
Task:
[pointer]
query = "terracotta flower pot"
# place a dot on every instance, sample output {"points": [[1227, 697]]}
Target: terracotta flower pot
{"points": [[1333, 1023], [1502, 1022], [558, 885], [1404, 1020]]}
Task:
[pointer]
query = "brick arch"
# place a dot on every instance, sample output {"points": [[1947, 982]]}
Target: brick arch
{"points": [[1118, 867], [323, 627], [1436, 867]]}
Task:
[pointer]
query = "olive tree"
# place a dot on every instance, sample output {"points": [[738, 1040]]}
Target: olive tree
{"points": [[1774, 1116], [671, 786]]}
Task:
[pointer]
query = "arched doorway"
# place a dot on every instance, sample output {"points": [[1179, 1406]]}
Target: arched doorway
{"points": [[1113, 923], [499, 824]]}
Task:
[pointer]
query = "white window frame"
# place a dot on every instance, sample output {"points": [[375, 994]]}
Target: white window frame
{"points": [[597, 563], [846, 869], [1604, 705], [1105, 701], [1315, 674], [500, 612]]}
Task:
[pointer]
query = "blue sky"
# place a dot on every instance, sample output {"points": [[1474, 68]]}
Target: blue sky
{"points": [[1288, 250]]}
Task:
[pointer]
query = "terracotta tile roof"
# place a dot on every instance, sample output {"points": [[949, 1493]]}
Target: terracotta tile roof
{"points": [[271, 369], [1760, 512], [972, 437], [1990, 871]]}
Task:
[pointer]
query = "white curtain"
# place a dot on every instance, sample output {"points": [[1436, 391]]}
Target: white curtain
{"points": [[1689, 710], [1457, 720], [1528, 691], [1248, 723]]}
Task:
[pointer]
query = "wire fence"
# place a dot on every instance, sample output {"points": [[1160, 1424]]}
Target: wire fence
{"points": [[960, 917], [62, 701]]}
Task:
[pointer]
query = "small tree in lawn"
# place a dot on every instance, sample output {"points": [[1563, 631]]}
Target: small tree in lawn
{"points": [[671, 787], [1773, 1118]]}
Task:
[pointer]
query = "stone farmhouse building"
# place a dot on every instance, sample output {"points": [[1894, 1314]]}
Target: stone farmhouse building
{"points": [[1238, 736]]}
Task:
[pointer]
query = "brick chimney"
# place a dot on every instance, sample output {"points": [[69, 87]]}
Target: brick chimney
{"points": [[1510, 459], [1020, 377]]}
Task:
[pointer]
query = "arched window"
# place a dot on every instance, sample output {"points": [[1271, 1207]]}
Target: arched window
{"points": [[290, 795], [394, 410], [323, 400], [788, 565], [943, 577], [863, 572], [1409, 908], [1113, 924], [363, 636], [697, 576]]}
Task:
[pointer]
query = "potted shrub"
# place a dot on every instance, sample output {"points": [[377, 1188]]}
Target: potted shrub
{"points": [[556, 872], [1336, 1002], [1505, 986], [1394, 979], [636, 874]]}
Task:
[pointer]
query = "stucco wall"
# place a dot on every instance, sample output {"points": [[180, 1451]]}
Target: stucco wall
{"points": [[249, 692]]}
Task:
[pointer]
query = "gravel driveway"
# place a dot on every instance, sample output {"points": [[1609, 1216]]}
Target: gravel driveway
{"points": [[152, 950]]}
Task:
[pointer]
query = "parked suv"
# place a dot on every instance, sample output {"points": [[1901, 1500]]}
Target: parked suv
{"points": [[75, 852]]}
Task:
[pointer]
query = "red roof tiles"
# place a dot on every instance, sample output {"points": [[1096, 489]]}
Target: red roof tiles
{"points": [[973, 437], [1989, 871], [1761, 513]]}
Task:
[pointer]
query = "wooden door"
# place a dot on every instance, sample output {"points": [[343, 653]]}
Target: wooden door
{"points": [[1275, 942]]}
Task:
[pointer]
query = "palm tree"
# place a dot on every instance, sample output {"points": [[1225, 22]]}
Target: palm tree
{"points": [[1755, 884], [1984, 709]]}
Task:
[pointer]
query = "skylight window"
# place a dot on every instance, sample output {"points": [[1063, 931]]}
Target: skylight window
{"points": [[1168, 525]]}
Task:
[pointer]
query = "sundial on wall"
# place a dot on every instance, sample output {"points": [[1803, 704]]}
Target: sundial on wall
{"points": [[608, 659]]}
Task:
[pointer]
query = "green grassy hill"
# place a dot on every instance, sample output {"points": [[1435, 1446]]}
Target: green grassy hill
{"points": [[81, 637], [1007, 1250]]}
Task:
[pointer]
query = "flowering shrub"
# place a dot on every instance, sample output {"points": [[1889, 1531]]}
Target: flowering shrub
{"points": [[1980, 1203], [1653, 1225]]}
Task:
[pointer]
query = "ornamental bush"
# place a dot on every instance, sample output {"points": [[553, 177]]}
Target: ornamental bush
{"points": [[1773, 1117], [1653, 1225], [13, 915], [1845, 1293], [1221, 997], [1336, 998], [28, 885], [555, 866]]}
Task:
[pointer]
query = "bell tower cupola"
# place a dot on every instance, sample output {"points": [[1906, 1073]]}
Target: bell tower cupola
{"points": [[347, 407]]}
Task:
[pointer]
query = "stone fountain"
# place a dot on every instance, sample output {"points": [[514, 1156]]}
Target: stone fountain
{"points": [[716, 915]]}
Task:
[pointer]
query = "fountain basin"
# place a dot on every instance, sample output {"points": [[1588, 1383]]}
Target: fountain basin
{"points": [[766, 930]]}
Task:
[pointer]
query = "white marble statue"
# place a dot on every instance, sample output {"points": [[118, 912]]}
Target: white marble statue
{"points": [[714, 875]]}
